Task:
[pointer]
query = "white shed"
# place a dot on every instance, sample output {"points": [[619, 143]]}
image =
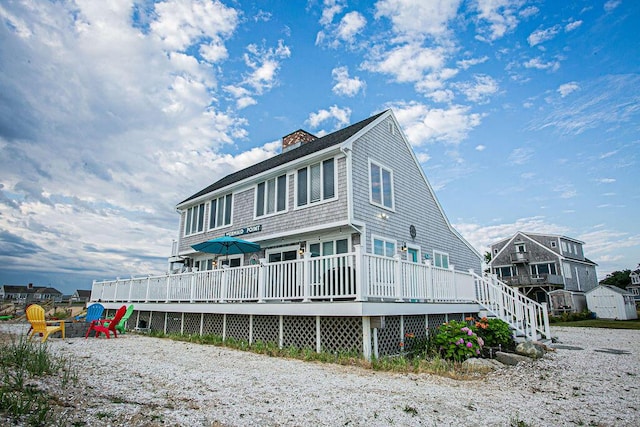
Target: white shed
{"points": [[611, 302]]}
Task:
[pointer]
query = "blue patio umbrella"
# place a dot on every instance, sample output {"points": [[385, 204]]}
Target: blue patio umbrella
{"points": [[226, 245]]}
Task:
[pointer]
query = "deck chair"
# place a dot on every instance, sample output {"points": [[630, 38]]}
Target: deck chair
{"points": [[121, 325], [35, 316], [94, 312], [106, 326]]}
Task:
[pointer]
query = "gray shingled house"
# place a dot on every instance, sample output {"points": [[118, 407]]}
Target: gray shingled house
{"points": [[355, 252]]}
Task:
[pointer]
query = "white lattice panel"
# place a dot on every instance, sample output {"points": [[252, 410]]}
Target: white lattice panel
{"points": [[341, 334], [389, 337], [191, 323], [435, 320], [212, 324], [238, 327], [157, 321], [299, 331], [266, 329], [174, 323]]}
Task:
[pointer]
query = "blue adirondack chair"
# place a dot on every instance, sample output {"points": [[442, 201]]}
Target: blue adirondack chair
{"points": [[94, 312]]}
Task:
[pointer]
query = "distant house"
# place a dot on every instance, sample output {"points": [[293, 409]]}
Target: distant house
{"points": [[29, 293], [634, 287], [537, 264], [611, 302], [81, 295]]}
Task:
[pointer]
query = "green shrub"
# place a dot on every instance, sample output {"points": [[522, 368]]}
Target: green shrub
{"points": [[456, 341], [494, 332]]}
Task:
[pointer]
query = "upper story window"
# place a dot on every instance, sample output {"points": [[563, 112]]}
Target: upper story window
{"points": [[384, 247], [220, 212], [381, 185], [194, 221], [271, 196], [440, 259], [316, 183], [563, 245], [521, 248]]}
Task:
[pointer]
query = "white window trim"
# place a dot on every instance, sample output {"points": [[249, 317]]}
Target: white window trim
{"points": [[282, 249], [375, 237], [333, 239], [286, 197], [221, 258], [441, 253], [209, 215], [204, 220], [393, 196], [321, 201]]}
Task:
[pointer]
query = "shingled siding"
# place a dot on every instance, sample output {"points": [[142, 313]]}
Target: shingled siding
{"points": [[314, 215], [414, 204]]}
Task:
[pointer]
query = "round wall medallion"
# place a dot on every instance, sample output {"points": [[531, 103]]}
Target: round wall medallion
{"points": [[412, 231]]}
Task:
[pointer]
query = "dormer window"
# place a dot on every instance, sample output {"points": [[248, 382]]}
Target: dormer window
{"points": [[521, 248]]}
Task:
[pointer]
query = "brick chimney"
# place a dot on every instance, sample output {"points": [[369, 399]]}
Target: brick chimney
{"points": [[296, 139]]}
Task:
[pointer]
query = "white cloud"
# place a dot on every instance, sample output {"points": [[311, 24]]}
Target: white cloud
{"points": [[467, 63], [264, 63], [344, 85], [406, 63], [350, 25], [330, 9], [567, 88], [611, 5], [479, 90], [572, 26], [422, 124], [480, 147], [606, 180], [541, 36], [567, 191], [501, 16], [520, 156], [529, 12], [419, 18], [342, 116], [541, 65]]}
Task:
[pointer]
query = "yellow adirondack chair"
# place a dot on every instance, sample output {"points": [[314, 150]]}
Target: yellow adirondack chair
{"points": [[35, 316]]}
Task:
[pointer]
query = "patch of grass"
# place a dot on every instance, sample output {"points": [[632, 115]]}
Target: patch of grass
{"points": [[602, 323], [411, 410], [22, 362]]}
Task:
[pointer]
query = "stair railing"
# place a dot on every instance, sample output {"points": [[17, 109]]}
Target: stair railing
{"points": [[523, 314]]}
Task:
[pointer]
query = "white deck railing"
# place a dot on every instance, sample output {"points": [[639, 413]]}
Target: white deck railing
{"points": [[353, 276]]}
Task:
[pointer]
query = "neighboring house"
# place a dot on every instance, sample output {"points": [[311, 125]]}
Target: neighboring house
{"points": [[29, 293], [634, 287], [81, 295], [537, 264], [347, 224], [611, 302]]}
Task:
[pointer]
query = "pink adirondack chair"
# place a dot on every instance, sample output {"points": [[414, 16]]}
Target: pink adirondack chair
{"points": [[106, 326]]}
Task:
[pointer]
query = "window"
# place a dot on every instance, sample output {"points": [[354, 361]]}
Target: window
{"points": [[316, 183], [563, 245], [521, 248], [220, 212], [440, 259], [495, 251], [381, 185], [384, 247], [553, 243], [504, 272], [271, 196], [194, 221], [567, 271], [540, 269], [330, 247]]}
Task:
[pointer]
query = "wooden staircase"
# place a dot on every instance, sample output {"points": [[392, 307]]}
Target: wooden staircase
{"points": [[528, 319]]}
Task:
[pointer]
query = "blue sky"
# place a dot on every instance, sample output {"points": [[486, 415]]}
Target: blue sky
{"points": [[524, 115]]}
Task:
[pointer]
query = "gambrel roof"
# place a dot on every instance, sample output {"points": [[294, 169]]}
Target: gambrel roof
{"points": [[311, 147]]}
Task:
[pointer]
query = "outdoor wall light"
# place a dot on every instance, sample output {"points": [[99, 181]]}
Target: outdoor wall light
{"points": [[301, 250], [404, 247], [383, 216]]}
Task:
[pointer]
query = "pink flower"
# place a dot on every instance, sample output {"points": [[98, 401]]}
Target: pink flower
{"points": [[480, 342], [469, 345], [470, 332]]}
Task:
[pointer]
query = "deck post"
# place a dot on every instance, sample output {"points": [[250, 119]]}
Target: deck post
{"points": [[130, 290], [193, 287], [547, 330], [167, 293], [455, 285], [361, 284], [115, 291], [261, 276], [398, 277], [223, 284], [366, 338], [306, 277]]}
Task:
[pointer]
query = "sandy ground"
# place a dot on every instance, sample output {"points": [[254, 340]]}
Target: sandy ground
{"points": [[136, 380]]}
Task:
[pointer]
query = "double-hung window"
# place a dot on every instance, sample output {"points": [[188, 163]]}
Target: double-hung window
{"points": [[194, 221], [384, 247], [271, 196], [220, 212], [316, 183], [440, 259], [381, 180]]}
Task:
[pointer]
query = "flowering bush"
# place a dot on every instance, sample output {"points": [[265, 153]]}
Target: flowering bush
{"points": [[494, 332], [456, 341]]}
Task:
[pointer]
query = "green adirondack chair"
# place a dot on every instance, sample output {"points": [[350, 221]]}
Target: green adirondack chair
{"points": [[121, 324]]}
